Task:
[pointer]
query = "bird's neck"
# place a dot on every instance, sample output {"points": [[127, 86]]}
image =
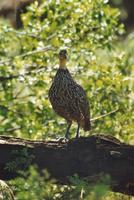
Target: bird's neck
{"points": [[62, 64]]}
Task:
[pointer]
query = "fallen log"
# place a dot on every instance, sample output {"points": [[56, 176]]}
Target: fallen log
{"points": [[89, 157]]}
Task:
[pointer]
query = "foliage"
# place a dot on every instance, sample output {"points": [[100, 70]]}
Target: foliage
{"points": [[24, 94], [33, 186], [41, 187], [89, 30]]}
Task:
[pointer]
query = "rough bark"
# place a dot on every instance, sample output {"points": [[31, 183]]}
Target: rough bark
{"points": [[89, 157]]}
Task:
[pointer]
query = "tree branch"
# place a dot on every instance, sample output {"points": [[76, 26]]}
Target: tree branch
{"points": [[26, 54], [105, 115], [88, 157], [27, 73]]}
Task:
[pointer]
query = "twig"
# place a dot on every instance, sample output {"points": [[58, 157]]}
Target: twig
{"points": [[34, 52], [101, 116], [33, 35], [6, 78], [12, 129], [25, 34], [28, 54], [2, 78]]}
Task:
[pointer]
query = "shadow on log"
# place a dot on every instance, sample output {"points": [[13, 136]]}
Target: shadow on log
{"points": [[88, 157]]}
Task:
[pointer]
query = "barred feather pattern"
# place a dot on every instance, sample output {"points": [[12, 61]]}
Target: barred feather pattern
{"points": [[69, 100]]}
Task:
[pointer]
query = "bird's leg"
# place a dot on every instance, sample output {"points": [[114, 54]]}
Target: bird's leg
{"points": [[77, 133], [67, 131]]}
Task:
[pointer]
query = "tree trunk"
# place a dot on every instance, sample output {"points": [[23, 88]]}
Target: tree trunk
{"points": [[89, 157]]}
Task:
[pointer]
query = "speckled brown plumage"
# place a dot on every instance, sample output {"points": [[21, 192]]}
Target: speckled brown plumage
{"points": [[68, 99]]}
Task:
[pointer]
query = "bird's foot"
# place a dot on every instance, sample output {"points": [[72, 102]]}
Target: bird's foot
{"points": [[62, 139]]}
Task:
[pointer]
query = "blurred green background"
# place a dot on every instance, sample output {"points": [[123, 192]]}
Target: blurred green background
{"points": [[101, 59]]}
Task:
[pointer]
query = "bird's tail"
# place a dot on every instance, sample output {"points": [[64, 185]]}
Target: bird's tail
{"points": [[87, 124]]}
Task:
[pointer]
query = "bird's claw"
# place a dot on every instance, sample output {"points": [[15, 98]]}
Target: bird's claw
{"points": [[62, 139]]}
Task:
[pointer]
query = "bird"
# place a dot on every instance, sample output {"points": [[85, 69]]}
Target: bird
{"points": [[68, 98]]}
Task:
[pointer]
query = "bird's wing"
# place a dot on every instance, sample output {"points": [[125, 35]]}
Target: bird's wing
{"points": [[80, 99], [83, 101]]}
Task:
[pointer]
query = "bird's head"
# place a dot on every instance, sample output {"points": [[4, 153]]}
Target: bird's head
{"points": [[63, 54], [63, 58]]}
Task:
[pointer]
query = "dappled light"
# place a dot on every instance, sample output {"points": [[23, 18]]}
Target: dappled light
{"points": [[100, 59]]}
